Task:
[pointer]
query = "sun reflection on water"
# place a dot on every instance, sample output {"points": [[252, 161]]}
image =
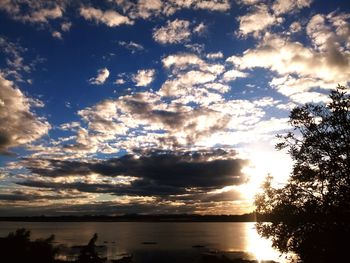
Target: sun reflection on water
{"points": [[259, 247]]}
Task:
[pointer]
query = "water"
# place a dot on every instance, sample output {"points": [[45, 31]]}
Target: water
{"points": [[130, 237]]}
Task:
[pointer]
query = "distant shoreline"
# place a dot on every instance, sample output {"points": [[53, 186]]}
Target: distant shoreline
{"points": [[135, 218]]}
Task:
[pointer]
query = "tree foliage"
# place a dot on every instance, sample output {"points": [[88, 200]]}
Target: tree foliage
{"points": [[310, 214]]}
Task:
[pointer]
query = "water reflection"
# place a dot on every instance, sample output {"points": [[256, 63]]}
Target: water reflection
{"points": [[119, 238], [259, 247]]}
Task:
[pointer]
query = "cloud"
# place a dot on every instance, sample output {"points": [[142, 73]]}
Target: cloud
{"points": [[144, 77], [39, 195], [174, 32], [200, 29], [13, 55], [285, 6], [213, 5], [151, 8], [57, 35], [155, 173], [287, 57], [132, 46], [299, 89], [65, 26], [33, 11], [187, 61], [257, 20], [147, 8], [43, 15], [248, 2], [110, 18], [234, 74], [19, 125], [295, 27], [102, 76], [216, 55]]}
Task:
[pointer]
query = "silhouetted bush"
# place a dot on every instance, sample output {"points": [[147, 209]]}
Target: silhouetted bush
{"points": [[18, 248]]}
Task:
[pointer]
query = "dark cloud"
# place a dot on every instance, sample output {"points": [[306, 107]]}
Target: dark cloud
{"points": [[25, 196], [156, 173]]}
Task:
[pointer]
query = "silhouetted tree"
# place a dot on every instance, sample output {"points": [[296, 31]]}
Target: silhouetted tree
{"points": [[88, 254], [17, 247], [310, 214]]}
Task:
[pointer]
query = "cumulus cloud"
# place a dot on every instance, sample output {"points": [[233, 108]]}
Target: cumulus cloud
{"points": [[295, 27], [33, 11], [285, 6], [110, 18], [257, 20], [287, 57], [233, 74], [144, 77], [147, 8], [102, 76], [300, 89], [174, 32], [19, 125]]}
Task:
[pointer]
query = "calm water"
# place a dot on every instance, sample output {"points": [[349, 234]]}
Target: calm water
{"points": [[129, 237]]}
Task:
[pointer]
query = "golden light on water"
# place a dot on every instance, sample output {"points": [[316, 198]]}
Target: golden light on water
{"points": [[259, 247]]}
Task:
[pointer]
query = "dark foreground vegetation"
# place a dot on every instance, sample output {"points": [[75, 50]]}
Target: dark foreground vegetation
{"points": [[310, 215], [17, 247]]}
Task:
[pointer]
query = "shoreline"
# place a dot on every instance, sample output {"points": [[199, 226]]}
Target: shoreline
{"points": [[136, 218]]}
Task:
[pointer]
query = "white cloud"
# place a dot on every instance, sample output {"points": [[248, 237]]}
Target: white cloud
{"points": [[318, 31], [200, 29], [215, 55], [19, 125], [286, 57], [43, 15], [110, 18], [147, 8], [213, 5], [57, 34], [131, 46], [295, 27], [119, 81], [234, 74], [248, 2], [257, 20], [65, 26], [285, 6], [144, 77], [102, 75], [174, 32], [300, 89], [185, 61]]}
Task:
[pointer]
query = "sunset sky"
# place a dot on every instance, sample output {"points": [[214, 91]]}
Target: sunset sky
{"points": [[151, 106]]}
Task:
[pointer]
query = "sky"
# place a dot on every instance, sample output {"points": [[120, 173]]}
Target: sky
{"points": [[157, 106]]}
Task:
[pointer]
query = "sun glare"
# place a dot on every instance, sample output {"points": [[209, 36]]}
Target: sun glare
{"points": [[265, 161]]}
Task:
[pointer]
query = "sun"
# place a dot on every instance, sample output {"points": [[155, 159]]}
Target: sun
{"points": [[264, 161]]}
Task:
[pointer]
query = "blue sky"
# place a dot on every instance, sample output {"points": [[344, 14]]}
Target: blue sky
{"points": [[112, 107]]}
